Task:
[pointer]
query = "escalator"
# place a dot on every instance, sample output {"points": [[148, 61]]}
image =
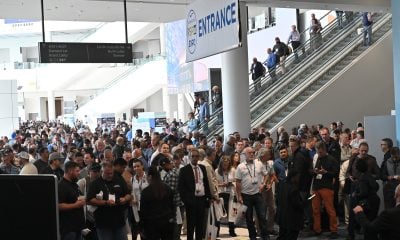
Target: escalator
{"points": [[278, 99]]}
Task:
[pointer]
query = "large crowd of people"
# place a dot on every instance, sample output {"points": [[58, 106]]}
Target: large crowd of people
{"points": [[163, 185]]}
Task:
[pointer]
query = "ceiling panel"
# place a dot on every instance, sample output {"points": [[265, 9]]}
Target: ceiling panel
{"points": [[154, 10]]}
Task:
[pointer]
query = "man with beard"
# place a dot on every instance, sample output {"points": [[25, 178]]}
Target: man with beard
{"points": [[70, 206]]}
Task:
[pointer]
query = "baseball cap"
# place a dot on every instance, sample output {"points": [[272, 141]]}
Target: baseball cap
{"points": [[23, 155], [56, 156]]}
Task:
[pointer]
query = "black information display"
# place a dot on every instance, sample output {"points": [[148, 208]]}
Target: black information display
{"points": [[59, 52]]}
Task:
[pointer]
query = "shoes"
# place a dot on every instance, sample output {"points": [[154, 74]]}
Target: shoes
{"points": [[317, 234], [334, 235], [232, 234], [273, 232]]}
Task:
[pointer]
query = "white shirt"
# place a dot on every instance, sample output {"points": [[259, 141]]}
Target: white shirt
{"points": [[251, 175], [199, 184], [138, 186], [226, 178], [29, 169]]}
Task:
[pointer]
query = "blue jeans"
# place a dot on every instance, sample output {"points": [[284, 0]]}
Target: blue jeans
{"points": [[367, 31], [72, 236], [112, 234], [255, 201]]}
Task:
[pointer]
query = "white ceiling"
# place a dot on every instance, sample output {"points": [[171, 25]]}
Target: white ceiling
{"points": [[154, 10]]}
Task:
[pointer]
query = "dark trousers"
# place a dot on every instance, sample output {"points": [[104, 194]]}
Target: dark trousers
{"points": [[195, 215], [287, 234], [255, 201], [158, 229], [72, 236]]}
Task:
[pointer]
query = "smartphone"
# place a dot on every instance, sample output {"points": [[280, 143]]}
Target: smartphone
{"points": [[311, 197]]}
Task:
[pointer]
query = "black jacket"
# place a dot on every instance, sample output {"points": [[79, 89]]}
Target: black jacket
{"points": [[299, 162], [386, 224], [291, 216], [186, 184], [331, 166], [257, 70]]}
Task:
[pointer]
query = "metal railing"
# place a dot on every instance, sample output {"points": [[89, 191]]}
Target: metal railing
{"points": [[292, 66], [343, 54]]}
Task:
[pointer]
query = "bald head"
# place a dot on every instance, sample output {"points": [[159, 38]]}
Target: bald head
{"points": [[249, 152]]}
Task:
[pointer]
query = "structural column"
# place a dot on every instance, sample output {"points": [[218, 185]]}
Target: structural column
{"points": [[235, 84], [51, 103], [396, 62], [166, 103], [162, 39], [181, 107]]}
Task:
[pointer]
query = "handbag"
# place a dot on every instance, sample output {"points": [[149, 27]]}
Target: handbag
{"points": [[220, 211], [241, 215]]}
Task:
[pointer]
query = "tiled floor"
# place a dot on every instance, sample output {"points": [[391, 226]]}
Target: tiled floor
{"points": [[243, 235]]}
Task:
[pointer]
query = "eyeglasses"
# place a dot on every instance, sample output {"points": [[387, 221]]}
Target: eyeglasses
{"points": [[195, 156]]}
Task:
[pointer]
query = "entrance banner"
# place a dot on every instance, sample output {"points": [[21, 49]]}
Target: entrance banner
{"points": [[212, 27]]}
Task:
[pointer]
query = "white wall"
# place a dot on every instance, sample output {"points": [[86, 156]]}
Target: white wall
{"points": [[148, 47], [9, 107], [366, 89]]}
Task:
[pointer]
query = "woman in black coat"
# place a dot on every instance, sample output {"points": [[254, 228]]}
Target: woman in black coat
{"points": [[157, 211]]}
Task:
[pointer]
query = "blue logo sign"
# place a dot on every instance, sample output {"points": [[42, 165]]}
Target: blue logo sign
{"points": [[191, 25]]}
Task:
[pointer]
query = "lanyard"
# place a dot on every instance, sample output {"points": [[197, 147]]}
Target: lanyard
{"points": [[254, 170], [140, 182]]}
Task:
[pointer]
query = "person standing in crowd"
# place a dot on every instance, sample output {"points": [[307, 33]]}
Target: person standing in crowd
{"points": [[217, 103], [195, 193], [266, 157], [324, 171], [353, 176], [292, 214], [257, 71], [171, 178], [54, 166], [250, 179], [346, 152], [300, 162], [27, 167], [282, 51], [157, 208], [294, 39], [367, 25], [83, 184], [43, 162], [72, 219], [204, 114], [386, 225], [110, 195], [386, 146], [229, 146], [271, 64], [226, 179], [365, 192], [281, 170], [390, 173], [139, 182], [7, 164]]}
